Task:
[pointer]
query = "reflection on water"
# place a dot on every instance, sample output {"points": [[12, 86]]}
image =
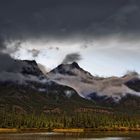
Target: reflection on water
{"points": [[73, 136]]}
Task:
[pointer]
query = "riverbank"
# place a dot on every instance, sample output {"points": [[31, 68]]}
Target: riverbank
{"points": [[95, 129], [76, 130], [65, 130], [8, 130], [24, 130]]}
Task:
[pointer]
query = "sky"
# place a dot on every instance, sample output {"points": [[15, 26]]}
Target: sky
{"points": [[103, 36]]}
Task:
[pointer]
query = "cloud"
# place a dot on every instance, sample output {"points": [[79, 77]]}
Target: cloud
{"points": [[7, 63], [72, 57], [22, 21], [67, 18], [67, 26], [2, 43], [12, 46], [34, 52]]}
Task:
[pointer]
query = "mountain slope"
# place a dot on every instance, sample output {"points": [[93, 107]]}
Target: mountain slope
{"points": [[27, 89], [86, 84], [25, 99], [24, 71], [68, 88]]}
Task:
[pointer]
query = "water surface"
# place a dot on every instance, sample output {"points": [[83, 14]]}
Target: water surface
{"points": [[73, 136]]}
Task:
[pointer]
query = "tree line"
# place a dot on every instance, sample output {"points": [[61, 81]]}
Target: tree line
{"points": [[64, 120]]}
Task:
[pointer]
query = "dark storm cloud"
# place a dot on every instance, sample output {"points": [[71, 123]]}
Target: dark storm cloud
{"points": [[72, 57], [7, 64], [24, 19], [1, 44]]}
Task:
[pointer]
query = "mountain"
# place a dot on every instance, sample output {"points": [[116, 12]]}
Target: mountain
{"points": [[26, 89], [22, 72], [67, 88], [90, 87]]}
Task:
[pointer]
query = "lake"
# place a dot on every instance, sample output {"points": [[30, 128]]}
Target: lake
{"points": [[73, 136]]}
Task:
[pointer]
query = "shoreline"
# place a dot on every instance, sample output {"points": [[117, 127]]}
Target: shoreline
{"points": [[65, 130], [94, 130]]}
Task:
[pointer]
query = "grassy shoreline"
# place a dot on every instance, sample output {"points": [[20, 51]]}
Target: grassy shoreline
{"points": [[97, 129], [8, 130], [64, 130]]}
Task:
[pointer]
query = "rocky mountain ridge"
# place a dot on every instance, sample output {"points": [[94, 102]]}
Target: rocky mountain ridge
{"points": [[68, 87]]}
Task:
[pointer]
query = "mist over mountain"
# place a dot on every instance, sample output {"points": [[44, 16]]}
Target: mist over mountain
{"points": [[67, 82], [85, 84]]}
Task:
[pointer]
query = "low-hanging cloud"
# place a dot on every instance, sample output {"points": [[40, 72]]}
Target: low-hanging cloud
{"points": [[72, 57], [34, 52]]}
